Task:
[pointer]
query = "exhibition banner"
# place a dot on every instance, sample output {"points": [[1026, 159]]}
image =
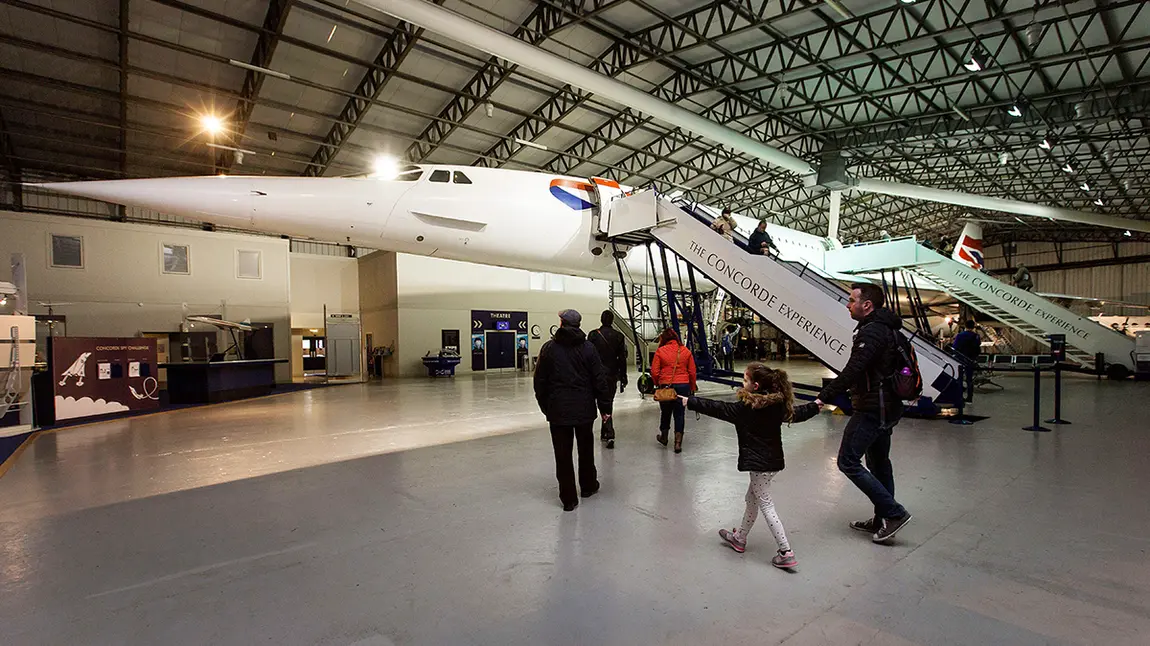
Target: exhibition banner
{"points": [[98, 376]]}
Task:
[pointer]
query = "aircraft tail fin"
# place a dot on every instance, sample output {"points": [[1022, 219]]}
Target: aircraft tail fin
{"points": [[968, 249]]}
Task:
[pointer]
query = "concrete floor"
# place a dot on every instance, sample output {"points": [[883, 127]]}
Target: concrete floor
{"points": [[426, 512]]}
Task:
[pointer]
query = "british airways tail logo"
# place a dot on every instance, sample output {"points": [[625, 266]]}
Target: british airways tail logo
{"points": [[573, 193], [970, 251]]}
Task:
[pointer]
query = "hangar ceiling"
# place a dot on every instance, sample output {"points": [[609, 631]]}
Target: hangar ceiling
{"points": [[1037, 101]]}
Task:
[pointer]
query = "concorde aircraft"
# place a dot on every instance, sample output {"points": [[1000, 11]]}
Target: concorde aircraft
{"points": [[510, 218]]}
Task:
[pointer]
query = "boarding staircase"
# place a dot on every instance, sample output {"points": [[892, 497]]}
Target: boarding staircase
{"points": [[1024, 311], [796, 298]]}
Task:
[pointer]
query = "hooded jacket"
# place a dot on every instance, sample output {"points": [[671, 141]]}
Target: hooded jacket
{"points": [[758, 421], [873, 359], [570, 380]]}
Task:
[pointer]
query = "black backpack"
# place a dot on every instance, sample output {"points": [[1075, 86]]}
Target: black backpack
{"points": [[906, 380]]}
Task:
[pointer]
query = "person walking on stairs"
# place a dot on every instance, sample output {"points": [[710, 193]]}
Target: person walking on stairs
{"points": [[612, 348], [876, 410]]}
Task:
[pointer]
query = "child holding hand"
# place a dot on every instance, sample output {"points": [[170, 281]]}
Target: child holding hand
{"points": [[764, 402]]}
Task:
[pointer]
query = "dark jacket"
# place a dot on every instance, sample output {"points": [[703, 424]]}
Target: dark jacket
{"points": [[758, 421], [873, 359], [612, 349], [755, 242], [570, 380], [967, 343]]}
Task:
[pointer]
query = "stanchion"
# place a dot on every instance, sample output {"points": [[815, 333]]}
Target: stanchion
{"points": [[961, 418], [1037, 403], [1057, 396]]}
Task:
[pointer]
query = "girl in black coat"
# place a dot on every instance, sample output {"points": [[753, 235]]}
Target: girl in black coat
{"points": [[765, 402]]}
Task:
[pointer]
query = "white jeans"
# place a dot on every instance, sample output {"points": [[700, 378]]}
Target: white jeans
{"points": [[759, 498]]}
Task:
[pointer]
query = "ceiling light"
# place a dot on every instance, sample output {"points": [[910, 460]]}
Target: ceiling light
{"points": [[489, 109], [908, 1], [329, 36], [1099, 202], [977, 62], [1033, 34], [1107, 156], [1126, 233], [1045, 145], [1003, 158], [1068, 168], [1014, 111], [1084, 186], [211, 124], [4, 299], [385, 167], [530, 143], [257, 68], [1126, 185]]}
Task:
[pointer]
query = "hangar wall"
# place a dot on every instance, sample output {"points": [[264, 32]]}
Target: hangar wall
{"points": [[434, 294], [121, 289], [1125, 276]]}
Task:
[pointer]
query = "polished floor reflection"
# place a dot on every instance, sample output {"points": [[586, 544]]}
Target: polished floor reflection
{"points": [[426, 512]]}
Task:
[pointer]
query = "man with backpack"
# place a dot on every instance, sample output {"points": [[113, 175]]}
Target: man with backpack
{"points": [[612, 349], [881, 372]]}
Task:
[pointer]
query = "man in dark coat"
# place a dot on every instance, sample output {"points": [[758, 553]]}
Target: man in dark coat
{"points": [[569, 382], [760, 241], [612, 349], [876, 410], [968, 344]]}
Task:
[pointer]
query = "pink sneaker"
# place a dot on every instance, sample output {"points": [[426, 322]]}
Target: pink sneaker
{"points": [[732, 539], [784, 560]]}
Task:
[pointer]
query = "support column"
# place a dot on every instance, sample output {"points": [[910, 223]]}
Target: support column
{"points": [[833, 215]]}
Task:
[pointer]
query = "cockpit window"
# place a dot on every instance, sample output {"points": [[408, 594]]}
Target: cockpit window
{"points": [[409, 174], [460, 178], [441, 176]]}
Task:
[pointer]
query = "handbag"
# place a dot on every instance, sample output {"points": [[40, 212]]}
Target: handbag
{"points": [[669, 394]]}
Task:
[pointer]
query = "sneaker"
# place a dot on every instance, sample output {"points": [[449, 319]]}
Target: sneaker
{"points": [[784, 560], [870, 525], [610, 444], [587, 493], [732, 538], [570, 506], [890, 527]]}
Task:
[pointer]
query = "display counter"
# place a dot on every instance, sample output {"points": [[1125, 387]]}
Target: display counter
{"points": [[211, 382], [441, 366]]}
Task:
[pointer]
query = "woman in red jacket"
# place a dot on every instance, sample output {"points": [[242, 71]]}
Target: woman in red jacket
{"points": [[673, 366]]}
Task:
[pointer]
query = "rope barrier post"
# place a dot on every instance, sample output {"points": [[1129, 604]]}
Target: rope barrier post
{"points": [[1057, 419], [1036, 427]]}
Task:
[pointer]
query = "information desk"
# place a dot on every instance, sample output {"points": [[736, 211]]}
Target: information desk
{"points": [[440, 366], [211, 382]]}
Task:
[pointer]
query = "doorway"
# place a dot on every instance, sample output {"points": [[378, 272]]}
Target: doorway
{"points": [[500, 349]]}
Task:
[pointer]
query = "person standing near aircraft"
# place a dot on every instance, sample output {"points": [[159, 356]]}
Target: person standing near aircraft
{"points": [[876, 410], [968, 344], [725, 224], [612, 349], [760, 241], [569, 383], [727, 347], [673, 367], [1022, 278]]}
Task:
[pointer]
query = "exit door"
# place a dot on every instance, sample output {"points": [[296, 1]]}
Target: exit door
{"points": [[500, 349]]}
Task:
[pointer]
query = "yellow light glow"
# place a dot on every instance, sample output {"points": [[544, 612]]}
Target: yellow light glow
{"points": [[385, 167], [211, 124]]}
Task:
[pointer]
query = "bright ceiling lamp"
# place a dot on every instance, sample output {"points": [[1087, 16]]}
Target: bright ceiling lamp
{"points": [[1099, 202], [1014, 111], [1068, 168], [211, 124], [1045, 144], [384, 167], [977, 62], [908, 1], [1003, 158], [1127, 233], [1084, 186]]}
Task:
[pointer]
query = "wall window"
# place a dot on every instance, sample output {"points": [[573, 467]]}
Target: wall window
{"points": [[538, 281], [68, 251], [176, 259], [554, 283], [248, 264]]}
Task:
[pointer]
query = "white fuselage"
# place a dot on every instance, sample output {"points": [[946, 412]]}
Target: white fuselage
{"points": [[509, 218]]}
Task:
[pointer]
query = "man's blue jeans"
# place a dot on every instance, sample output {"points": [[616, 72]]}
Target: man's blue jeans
{"points": [[865, 435]]}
